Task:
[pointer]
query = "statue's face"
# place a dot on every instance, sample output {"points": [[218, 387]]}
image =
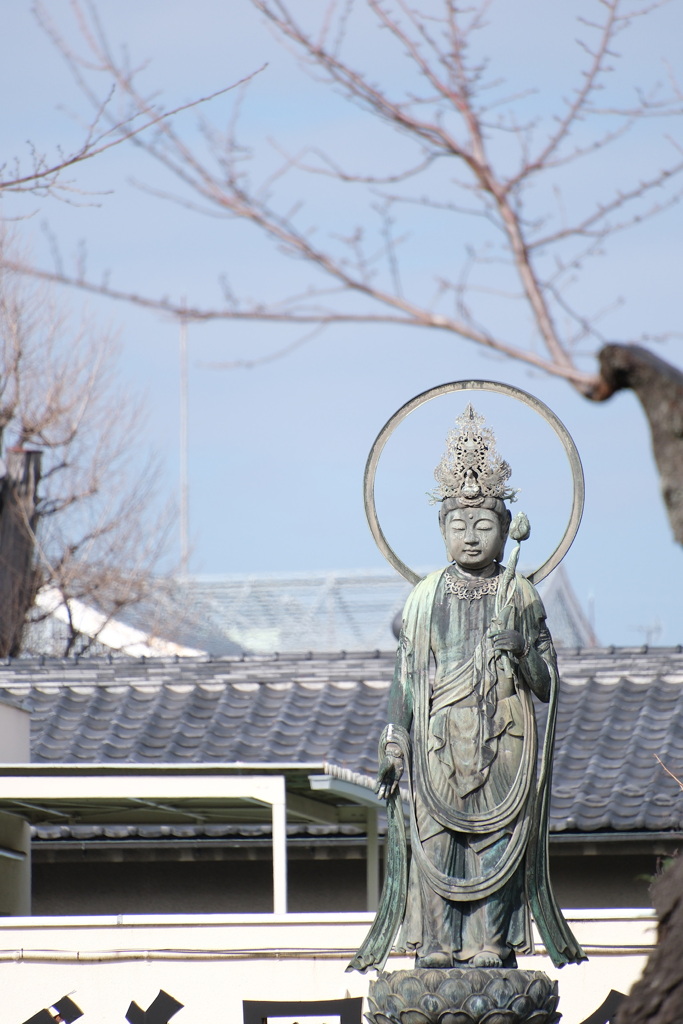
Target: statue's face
{"points": [[473, 536]]}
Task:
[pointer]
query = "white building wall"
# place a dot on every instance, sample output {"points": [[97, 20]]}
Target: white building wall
{"points": [[15, 733], [212, 963]]}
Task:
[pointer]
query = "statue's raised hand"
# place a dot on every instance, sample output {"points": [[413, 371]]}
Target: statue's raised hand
{"points": [[389, 775], [508, 640]]}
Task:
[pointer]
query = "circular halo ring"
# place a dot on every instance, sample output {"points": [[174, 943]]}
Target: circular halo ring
{"points": [[476, 385]]}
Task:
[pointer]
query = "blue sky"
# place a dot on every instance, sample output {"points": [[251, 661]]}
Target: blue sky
{"points": [[277, 452]]}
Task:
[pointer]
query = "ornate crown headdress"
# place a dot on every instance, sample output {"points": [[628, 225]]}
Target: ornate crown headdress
{"points": [[471, 468]]}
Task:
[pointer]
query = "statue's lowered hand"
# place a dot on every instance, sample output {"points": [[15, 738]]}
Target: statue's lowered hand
{"points": [[389, 775]]}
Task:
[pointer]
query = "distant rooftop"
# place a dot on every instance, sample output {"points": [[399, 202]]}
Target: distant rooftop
{"points": [[306, 611], [324, 611]]}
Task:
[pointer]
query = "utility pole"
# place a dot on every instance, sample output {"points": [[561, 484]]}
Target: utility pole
{"points": [[184, 485]]}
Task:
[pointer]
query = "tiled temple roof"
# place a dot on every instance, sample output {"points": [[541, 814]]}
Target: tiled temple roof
{"points": [[620, 710]]}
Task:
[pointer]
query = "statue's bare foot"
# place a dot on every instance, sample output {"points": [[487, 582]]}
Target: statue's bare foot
{"points": [[486, 959], [437, 959]]}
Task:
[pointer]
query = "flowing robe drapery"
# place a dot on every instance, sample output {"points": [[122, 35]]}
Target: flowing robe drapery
{"points": [[478, 810]]}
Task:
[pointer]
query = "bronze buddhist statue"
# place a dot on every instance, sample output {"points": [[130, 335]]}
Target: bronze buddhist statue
{"points": [[474, 653]]}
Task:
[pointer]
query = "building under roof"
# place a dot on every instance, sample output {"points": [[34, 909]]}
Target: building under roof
{"points": [[620, 733]]}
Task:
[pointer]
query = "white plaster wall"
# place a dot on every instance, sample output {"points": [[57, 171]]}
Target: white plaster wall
{"points": [[212, 963], [15, 734]]}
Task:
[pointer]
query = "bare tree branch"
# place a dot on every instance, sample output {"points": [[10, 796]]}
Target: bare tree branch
{"points": [[453, 112], [45, 176]]}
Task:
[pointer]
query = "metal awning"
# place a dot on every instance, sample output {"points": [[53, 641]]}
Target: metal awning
{"points": [[195, 794]]}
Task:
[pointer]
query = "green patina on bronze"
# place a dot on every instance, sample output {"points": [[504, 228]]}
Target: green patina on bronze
{"points": [[473, 655]]}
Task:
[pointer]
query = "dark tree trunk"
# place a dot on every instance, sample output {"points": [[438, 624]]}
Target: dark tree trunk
{"points": [[18, 520], [659, 387], [658, 997]]}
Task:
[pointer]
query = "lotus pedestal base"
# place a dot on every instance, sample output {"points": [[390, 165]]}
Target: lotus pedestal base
{"points": [[465, 995]]}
